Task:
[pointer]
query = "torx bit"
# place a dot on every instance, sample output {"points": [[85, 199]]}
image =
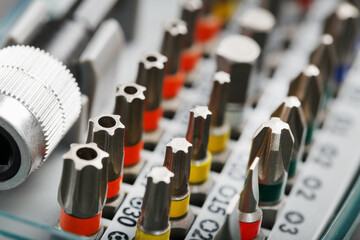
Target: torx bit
{"points": [[250, 215], [219, 130], [108, 133], [129, 105], [82, 189], [172, 47], [237, 55], [343, 26], [273, 143], [190, 10], [154, 218], [151, 75], [291, 112], [177, 160], [198, 135], [325, 58], [308, 89], [257, 23]]}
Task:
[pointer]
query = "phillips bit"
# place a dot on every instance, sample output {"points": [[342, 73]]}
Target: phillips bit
{"points": [[273, 144], [250, 215], [172, 46], [308, 89], [82, 189], [219, 129], [108, 133], [343, 26], [257, 23], [154, 218], [291, 112], [151, 75], [237, 55], [325, 58], [198, 135], [177, 160], [129, 105]]}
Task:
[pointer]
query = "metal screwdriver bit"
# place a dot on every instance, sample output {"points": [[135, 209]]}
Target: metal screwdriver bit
{"points": [[198, 131], [273, 144], [343, 26], [290, 111], [257, 23], [308, 89], [151, 75], [129, 105], [274, 6], [155, 209], [173, 44], [249, 197], [218, 98], [108, 133], [189, 14], [177, 160], [83, 184], [325, 58]]}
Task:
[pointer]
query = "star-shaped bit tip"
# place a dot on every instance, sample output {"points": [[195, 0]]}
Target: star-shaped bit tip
{"points": [[201, 111], [179, 144], [222, 77], [160, 174]]}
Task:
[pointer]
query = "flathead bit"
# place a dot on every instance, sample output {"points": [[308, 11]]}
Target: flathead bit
{"points": [[189, 14], [249, 197], [291, 112], [325, 58], [273, 143], [156, 202], [178, 160], [129, 105], [151, 76], [343, 26], [308, 89], [218, 98], [236, 55], [173, 44], [83, 184], [198, 131], [257, 23], [108, 133]]}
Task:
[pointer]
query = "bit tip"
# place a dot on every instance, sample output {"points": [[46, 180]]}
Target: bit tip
{"points": [[257, 19], [222, 77], [160, 174], [249, 196], [201, 111], [106, 122], [153, 60], [179, 144], [131, 91], [176, 27], [86, 155], [191, 5]]}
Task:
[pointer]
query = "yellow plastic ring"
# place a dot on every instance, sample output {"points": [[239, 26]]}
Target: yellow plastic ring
{"points": [[140, 235], [200, 170], [179, 207], [217, 143]]}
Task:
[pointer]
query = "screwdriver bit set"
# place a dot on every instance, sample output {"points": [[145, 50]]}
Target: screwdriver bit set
{"points": [[191, 119]]}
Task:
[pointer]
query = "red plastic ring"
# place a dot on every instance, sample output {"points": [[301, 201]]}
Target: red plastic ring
{"points": [[207, 28], [173, 84], [151, 119], [114, 187], [189, 58], [79, 226], [132, 153], [249, 231]]}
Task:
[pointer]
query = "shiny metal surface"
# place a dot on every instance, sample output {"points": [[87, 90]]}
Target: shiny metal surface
{"points": [[190, 11], [154, 218], [83, 184], [198, 131], [151, 75], [108, 132], [129, 104], [39, 102], [177, 160]]}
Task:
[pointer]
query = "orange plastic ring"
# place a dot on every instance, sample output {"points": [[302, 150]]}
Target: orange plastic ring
{"points": [[151, 119], [79, 226], [114, 187], [189, 59], [173, 84], [207, 28], [132, 153]]}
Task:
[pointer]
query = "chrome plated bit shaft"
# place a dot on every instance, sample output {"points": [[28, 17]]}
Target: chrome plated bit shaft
{"points": [[198, 131], [290, 111], [154, 218], [108, 133], [189, 13]]}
